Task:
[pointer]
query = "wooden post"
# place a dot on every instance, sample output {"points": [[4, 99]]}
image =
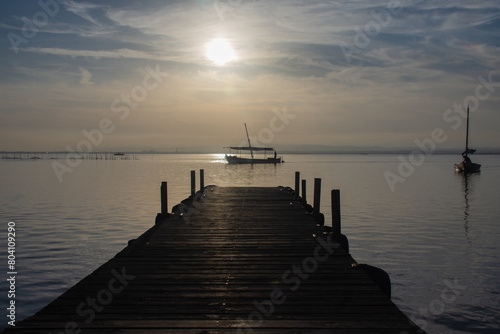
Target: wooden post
{"points": [[304, 199], [164, 198], [202, 179], [193, 183], [317, 195], [297, 184], [336, 213]]}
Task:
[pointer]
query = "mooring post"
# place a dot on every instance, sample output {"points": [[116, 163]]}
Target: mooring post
{"points": [[317, 195], [336, 231], [164, 198], [193, 183], [202, 179], [304, 199], [297, 185]]}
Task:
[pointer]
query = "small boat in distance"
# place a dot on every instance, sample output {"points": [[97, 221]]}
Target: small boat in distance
{"points": [[467, 166], [263, 151]]}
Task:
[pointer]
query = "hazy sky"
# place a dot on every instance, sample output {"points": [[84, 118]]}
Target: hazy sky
{"points": [[135, 75]]}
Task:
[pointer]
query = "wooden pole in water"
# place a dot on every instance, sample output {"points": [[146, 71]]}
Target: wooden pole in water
{"points": [[193, 183], [164, 198], [202, 179], [304, 199], [297, 184], [336, 213], [317, 195]]}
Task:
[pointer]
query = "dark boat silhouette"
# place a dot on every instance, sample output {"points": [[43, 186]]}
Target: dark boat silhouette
{"points": [[467, 166], [238, 159]]}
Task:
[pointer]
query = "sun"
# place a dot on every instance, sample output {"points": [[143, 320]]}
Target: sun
{"points": [[220, 51]]}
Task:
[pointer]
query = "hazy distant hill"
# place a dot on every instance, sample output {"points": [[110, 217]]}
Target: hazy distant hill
{"points": [[322, 149]]}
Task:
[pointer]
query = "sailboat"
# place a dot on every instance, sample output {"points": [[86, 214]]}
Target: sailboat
{"points": [[467, 166], [238, 159]]}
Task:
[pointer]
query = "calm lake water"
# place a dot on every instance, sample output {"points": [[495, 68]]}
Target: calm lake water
{"points": [[437, 234]]}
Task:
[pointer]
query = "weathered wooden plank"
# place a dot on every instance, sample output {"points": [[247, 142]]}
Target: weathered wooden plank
{"points": [[233, 325]]}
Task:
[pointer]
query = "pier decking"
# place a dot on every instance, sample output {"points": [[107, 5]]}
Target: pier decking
{"points": [[239, 260]]}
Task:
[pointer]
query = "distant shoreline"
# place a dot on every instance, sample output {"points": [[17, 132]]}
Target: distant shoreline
{"points": [[36, 154]]}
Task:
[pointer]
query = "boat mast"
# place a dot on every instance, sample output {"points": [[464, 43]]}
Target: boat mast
{"points": [[249, 145], [467, 134]]}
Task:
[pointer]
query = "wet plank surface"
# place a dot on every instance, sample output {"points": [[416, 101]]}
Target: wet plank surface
{"points": [[240, 260]]}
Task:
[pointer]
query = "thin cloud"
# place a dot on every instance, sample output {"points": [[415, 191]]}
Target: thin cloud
{"points": [[86, 77], [83, 10], [120, 53]]}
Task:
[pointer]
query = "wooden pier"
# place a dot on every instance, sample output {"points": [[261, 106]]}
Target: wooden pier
{"points": [[230, 260]]}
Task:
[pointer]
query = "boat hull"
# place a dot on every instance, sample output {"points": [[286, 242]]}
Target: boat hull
{"points": [[468, 167], [238, 160]]}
